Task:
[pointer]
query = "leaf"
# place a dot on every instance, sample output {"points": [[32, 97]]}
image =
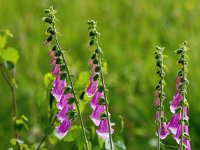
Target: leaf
{"points": [[105, 67], [118, 144], [162, 146], [48, 79], [9, 54], [83, 80], [73, 134]]}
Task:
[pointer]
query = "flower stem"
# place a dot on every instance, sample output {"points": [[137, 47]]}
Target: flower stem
{"points": [[73, 92], [14, 103], [46, 135], [182, 107], [106, 100]]}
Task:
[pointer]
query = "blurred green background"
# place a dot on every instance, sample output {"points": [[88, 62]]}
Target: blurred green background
{"points": [[130, 30]]}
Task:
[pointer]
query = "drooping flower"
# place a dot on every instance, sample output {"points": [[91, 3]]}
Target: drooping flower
{"points": [[163, 130], [63, 128], [103, 130], [94, 101], [174, 123], [93, 86], [58, 89], [62, 113], [175, 102], [95, 116], [63, 101]]}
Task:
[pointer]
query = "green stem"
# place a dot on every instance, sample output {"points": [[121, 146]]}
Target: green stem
{"points": [[182, 106], [73, 92], [46, 135], [106, 100], [14, 104], [160, 106]]}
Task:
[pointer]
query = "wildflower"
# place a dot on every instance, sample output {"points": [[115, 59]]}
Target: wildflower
{"points": [[95, 116], [103, 130], [63, 128], [163, 130], [93, 86]]}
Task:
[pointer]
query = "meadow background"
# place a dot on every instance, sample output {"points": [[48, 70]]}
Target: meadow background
{"points": [[130, 30]]}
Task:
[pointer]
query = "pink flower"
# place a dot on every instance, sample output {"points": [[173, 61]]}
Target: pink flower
{"points": [[94, 101], [103, 130], [92, 88], [63, 101], [173, 124], [174, 103], [95, 116], [63, 128], [163, 131], [57, 91]]}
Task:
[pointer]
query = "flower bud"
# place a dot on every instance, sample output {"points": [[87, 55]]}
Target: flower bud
{"points": [[62, 67], [96, 76], [102, 101], [50, 38], [97, 69], [71, 100], [98, 50], [95, 61], [68, 89], [58, 60], [93, 56], [55, 47], [47, 20], [58, 53], [63, 75]]}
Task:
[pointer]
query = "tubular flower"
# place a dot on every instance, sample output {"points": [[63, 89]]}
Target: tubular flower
{"points": [[94, 101], [102, 131], [93, 86], [163, 131], [95, 116], [63, 128]]}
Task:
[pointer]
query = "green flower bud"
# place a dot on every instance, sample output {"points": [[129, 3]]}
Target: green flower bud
{"points": [[102, 101], [63, 76], [96, 76], [55, 47], [58, 53], [62, 67], [47, 20], [58, 60], [103, 116], [71, 100], [50, 38], [95, 61], [68, 89], [93, 56], [97, 69], [100, 88], [98, 50]]}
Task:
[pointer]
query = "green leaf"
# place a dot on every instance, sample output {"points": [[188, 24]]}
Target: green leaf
{"points": [[118, 144], [105, 67], [162, 146], [83, 80], [48, 79], [48, 130], [73, 134], [9, 54]]}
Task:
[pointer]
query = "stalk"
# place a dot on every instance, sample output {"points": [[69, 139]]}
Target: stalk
{"points": [[14, 103], [73, 92], [106, 100]]}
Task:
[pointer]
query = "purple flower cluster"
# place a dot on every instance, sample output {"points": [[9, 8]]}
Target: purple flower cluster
{"points": [[61, 95], [97, 102], [174, 125]]}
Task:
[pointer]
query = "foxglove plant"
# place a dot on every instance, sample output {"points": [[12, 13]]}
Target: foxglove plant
{"points": [[97, 89], [63, 88], [179, 122], [159, 119]]}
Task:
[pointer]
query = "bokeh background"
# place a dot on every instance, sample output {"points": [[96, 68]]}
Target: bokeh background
{"points": [[130, 30]]}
